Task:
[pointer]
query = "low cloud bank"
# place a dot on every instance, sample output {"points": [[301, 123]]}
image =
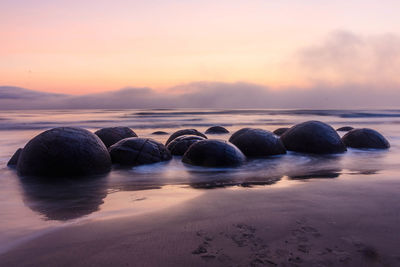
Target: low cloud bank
{"points": [[208, 95]]}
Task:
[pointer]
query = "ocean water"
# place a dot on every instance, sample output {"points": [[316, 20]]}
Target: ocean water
{"points": [[31, 208]]}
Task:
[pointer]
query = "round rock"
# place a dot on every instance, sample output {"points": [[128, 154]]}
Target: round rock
{"points": [[137, 151], [111, 135], [14, 159], [184, 132], [258, 143], [313, 137], [239, 132], [365, 138], [344, 129], [216, 130], [64, 151], [213, 153], [280, 131], [159, 133], [179, 145]]}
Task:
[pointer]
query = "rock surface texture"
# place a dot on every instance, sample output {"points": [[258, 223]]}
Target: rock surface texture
{"points": [[64, 151], [213, 153], [137, 151], [111, 135], [258, 143], [365, 138], [313, 137]]}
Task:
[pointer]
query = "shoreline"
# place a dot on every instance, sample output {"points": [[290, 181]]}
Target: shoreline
{"points": [[351, 221]]}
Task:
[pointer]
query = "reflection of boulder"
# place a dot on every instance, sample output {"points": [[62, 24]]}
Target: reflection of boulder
{"points": [[317, 167], [64, 199], [221, 182]]}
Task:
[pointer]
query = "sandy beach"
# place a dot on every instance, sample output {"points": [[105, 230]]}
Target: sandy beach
{"points": [[350, 221]]}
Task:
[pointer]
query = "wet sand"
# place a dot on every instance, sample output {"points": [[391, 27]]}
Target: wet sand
{"points": [[352, 221]]}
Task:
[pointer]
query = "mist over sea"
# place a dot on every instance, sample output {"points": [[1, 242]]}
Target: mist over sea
{"points": [[30, 208]]}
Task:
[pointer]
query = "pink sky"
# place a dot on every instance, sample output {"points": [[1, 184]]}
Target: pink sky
{"points": [[81, 47]]}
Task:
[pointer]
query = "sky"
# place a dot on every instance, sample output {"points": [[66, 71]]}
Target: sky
{"points": [[90, 47]]}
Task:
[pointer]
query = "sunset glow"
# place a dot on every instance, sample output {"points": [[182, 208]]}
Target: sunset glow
{"points": [[79, 48]]}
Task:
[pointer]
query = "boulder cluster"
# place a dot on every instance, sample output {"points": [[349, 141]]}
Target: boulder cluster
{"points": [[74, 152]]}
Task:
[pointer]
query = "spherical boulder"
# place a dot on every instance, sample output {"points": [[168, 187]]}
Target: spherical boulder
{"points": [[137, 151], [213, 153], [313, 137], [365, 138], [14, 159], [258, 143], [64, 151], [111, 135], [184, 132], [159, 133], [280, 131], [344, 129], [216, 130], [179, 145], [239, 132]]}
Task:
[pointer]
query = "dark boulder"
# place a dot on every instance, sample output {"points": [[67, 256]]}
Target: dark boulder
{"points": [[365, 138], [344, 129], [64, 151], [258, 143], [313, 137], [159, 133], [280, 131], [179, 145], [216, 130], [111, 135], [213, 153], [137, 151], [239, 132], [14, 159], [184, 132]]}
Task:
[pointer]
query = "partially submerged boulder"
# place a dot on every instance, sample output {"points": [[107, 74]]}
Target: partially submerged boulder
{"points": [[14, 159], [258, 143], [313, 137], [216, 130], [344, 129], [137, 151], [64, 151], [159, 133], [239, 132], [111, 135], [184, 132], [365, 138], [179, 145], [213, 153], [280, 131]]}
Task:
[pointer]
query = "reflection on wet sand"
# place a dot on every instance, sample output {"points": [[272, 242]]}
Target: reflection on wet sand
{"points": [[72, 199], [318, 166], [64, 199]]}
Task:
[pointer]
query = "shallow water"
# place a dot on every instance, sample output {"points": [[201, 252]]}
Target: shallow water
{"points": [[30, 208]]}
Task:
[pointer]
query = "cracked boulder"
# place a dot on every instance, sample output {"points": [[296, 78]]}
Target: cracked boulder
{"points": [[137, 151]]}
